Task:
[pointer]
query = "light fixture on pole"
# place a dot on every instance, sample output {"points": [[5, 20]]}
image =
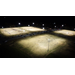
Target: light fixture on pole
{"points": [[62, 25], [28, 25], [42, 24], [55, 26], [54, 23], [19, 23], [48, 44], [43, 28], [33, 23]]}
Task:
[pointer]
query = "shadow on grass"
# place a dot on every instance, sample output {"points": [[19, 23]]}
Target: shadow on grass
{"points": [[51, 55], [62, 53], [8, 52]]}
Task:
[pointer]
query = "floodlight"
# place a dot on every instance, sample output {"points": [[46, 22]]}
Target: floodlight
{"points": [[62, 25], [42, 24], [54, 23], [43, 28], [48, 39], [19, 23], [28, 25], [55, 26], [33, 23]]}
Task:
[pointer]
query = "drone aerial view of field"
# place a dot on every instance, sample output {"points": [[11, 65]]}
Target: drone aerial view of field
{"points": [[37, 41], [41, 44], [18, 31]]}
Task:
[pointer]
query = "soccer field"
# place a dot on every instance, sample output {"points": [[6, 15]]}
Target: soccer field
{"points": [[40, 46], [66, 32], [19, 31]]}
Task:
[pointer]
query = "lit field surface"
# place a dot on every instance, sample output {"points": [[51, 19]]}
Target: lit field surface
{"points": [[66, 32], [18, 30], [38, 46]]}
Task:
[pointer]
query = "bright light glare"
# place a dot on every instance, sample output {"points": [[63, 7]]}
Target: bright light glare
{"points": [[55, 26], [48, 39], [33, 23], [19, 23], [43, 28], [28, 25], [42, 24], [54, 23], [62, 25]]}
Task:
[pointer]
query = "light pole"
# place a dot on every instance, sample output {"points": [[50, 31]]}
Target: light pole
{"points": [[54, 23], [42, 24], [43, 28], [48, 44], [62, 25], [19, 23], [28, 25], [33, 23], [2, 27]]}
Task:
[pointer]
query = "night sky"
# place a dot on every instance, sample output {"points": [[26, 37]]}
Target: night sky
{"points": [[48, 20]]}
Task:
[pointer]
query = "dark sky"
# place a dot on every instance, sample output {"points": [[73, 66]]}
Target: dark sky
{"points": [[44, 17], [41, 18], [69, 20]]}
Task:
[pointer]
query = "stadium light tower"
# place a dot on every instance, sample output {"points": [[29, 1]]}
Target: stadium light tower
{"points": [[48, 44], [62, 25], [2, 27], [28, 25], [33, 23], [55, 26], [43, 28], [19, 23], [42, 24], [54, 23]]}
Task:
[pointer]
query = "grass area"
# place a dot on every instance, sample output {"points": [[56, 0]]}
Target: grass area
{"points": [[8, 51], [37, 46], [60, 45], [8, 32]]}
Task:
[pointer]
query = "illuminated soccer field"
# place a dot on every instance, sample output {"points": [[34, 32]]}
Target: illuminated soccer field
{"points": [[39, 46], [19, 30], [66, 32]]}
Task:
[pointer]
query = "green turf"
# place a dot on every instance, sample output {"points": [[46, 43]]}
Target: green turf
{"points": [[13, 49], [7, 51]]}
